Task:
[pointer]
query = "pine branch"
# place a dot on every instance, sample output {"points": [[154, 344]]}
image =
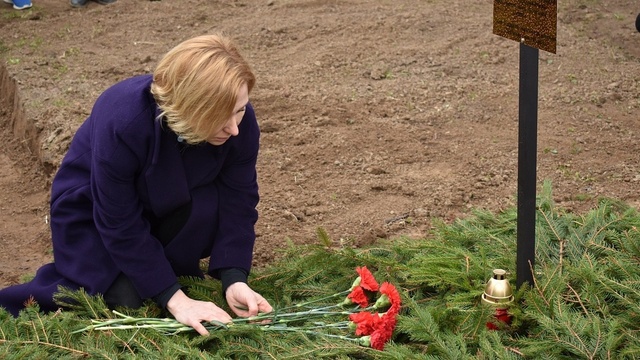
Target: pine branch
{"points": [[43, 343]]}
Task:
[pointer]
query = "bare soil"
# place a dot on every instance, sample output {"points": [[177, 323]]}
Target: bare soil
{"points": [[378, 116]]}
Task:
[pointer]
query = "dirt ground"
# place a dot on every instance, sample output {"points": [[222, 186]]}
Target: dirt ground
{"points": [[378, 116]]}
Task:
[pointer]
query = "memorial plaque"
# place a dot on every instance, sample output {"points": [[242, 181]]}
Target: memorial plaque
{"points": [[532, 22]]}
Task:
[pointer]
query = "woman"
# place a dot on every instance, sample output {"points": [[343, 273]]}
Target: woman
{"points": [[160, 175]]}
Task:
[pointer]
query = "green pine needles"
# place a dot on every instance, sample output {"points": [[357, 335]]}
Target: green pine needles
{"points": [[584, 302]]}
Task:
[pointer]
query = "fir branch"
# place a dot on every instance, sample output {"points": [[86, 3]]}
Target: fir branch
{"points": [[45, 344], [323, 237]]}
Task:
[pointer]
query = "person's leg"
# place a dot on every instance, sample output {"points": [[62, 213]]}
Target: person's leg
{"points": [[40, 290], [81, 3], [122, 293], [166, 228], [78, 3]]}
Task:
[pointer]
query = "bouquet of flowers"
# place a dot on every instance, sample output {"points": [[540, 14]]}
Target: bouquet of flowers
{"points": [[358, 318]]}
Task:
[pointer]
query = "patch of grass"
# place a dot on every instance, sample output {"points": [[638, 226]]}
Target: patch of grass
{"points": [[96, 31], [583, 197], [60, 102], [583, 177], [64, 32], [9, 15], [72, 51], [36, 43], [576, 149], [20, 43], [23, 14], [61, 68], [564, 169]]}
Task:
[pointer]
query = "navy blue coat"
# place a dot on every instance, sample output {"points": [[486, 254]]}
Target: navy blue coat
{"points": [[124, 168]]}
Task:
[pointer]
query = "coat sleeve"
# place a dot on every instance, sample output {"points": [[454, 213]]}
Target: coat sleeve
{"points": [[121, 143], [238, 197]]}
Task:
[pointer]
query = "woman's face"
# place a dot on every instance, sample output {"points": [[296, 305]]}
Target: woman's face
{"points": [[230, 128]]}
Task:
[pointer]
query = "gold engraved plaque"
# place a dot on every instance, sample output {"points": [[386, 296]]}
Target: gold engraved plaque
{"points": [[532, 22]]}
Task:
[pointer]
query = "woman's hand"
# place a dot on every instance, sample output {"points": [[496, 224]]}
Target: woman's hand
{"points": [[193, 312], [246, 302]]}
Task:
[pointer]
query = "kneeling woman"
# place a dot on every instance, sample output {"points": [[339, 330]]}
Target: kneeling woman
{"points": [[160, 175]]}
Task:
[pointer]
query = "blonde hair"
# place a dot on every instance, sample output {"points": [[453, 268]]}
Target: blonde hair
{"points": [[196, 85]]}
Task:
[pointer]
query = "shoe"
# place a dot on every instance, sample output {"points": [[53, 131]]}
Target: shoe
{"points": [[78, 3], [21, 4], [82, 3], [8, 1]]}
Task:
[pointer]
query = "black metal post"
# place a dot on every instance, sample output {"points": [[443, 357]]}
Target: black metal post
{"points": [[527, 151]]}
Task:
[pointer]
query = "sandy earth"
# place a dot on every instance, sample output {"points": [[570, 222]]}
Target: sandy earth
{"points": [[377, 116]]}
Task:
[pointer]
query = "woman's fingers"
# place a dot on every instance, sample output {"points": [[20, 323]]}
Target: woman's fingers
{"points": [[245, 302], [200, 329], [193, 312]]}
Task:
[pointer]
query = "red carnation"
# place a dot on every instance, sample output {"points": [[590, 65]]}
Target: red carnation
{"points": [[357, 296], [389, 298], [367, 281], [366, 322], [383, 331]]}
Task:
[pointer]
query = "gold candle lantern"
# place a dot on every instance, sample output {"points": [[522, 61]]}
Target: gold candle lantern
{"points": [[498, 294], [498, 290]]}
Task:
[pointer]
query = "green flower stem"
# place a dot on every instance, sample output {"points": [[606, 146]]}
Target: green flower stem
{"points": [[311, 332], [303, 304], [339, 325], [273, 321], [128, 322], [134, 323], [300, 315]]}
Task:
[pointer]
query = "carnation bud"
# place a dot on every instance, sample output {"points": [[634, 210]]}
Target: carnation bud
{"points": [[383, 302], [352, 326], [347, 301], [356, 283], [365, 341]]}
